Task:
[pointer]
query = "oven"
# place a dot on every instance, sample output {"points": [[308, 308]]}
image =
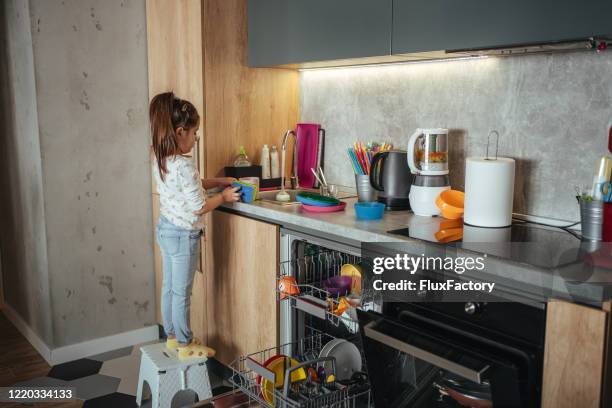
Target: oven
{"points": [[454, 354]]}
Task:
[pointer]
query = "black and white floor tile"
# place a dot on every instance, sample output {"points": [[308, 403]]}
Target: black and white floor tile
{"points": [[106, 380]]}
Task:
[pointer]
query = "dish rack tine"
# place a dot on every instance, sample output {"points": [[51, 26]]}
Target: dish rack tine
{"points": [[323, 266]]}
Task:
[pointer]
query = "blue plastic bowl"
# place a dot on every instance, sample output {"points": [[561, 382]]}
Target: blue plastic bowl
{"points": [[369, 211]]}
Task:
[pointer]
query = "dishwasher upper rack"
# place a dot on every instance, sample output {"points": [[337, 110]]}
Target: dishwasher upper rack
{"points": [[312, 270], [315, 268], [245, 377]]}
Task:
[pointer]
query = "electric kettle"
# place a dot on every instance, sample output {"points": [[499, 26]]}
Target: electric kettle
{"points": [[392, 178]]}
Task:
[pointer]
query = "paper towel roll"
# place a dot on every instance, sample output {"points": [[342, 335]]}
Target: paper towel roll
{"points": [[489, 191]]}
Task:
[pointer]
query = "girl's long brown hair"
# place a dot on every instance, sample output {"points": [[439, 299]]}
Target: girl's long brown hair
{"points": [[166, 114]]}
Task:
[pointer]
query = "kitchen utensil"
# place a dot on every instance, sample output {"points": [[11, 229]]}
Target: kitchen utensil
{"points": [[591, 219], [315, 199], [324, 209], [428, 160], [602, 176], [465, 392], [428, 152], [348, 359], [361, 156], [424, 192], [489, 190], [338, 285], [323, 190], [287, 286], [333, 190], [248, 192], [278, 364], [365, 191], [309, 146], [446, 234], [607, 223], [450, 204], [369, 211], [354, 271], [322, 175], [342, 307], [314, 173], [392, 179], [606, 192]]}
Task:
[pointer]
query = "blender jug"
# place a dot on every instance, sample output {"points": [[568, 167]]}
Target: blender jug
{"points": [[428, 152]]}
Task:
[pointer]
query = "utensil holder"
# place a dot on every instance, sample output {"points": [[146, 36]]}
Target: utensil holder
{"points": [[591, 219], [365, 191]]}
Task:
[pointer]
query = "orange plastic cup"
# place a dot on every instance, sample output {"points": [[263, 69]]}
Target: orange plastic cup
{"points": [[450, 204]]}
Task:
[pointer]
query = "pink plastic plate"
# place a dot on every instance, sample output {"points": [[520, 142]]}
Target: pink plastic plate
{"points": [[331, 208]]}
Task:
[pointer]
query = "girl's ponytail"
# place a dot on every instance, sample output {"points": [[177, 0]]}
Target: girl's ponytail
{"points": [[167, 113]]}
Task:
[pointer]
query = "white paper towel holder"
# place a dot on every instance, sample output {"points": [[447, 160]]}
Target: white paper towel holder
{"points": [[492, 159], [496, 144]]}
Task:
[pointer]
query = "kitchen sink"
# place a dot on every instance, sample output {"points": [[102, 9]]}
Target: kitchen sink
{"points": [[270, 196]]}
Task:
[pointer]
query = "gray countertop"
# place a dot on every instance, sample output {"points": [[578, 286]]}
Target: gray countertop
{"points": [[530, 263]]}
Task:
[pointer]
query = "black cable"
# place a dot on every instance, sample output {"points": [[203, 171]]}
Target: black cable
{"points": [[544, 224], [561, 227]]}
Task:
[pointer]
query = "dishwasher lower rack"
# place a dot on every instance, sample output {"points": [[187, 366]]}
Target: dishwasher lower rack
{"points": [[249, 374]]}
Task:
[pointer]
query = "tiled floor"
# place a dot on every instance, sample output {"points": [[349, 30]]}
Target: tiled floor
{"points": [[107, 380]]}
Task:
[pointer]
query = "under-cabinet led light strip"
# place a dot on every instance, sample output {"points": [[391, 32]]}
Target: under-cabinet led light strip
{"points": [[387, 64]]}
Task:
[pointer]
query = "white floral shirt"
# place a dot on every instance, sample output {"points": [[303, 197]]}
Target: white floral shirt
{"points": [[181, 192]]}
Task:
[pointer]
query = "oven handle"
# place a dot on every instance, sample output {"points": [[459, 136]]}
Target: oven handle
{"points": [[470, 374]]}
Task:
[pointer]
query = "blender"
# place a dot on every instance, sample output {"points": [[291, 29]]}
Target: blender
{"points": [[428, 161]]}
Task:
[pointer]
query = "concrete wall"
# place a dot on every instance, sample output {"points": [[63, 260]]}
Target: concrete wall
{"points": [[551, 112], [22, 223], [90, 70], [92, 95]]}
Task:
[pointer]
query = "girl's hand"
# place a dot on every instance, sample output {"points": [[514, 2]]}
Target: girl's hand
{"points": [[226, 181], [230, 194]]}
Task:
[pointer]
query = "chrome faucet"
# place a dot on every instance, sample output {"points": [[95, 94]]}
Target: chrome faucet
{"points": [[283, 149]]}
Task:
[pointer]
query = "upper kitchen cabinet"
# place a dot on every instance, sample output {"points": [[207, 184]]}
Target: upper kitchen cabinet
{"points": [[283, 32], [433, 25]]}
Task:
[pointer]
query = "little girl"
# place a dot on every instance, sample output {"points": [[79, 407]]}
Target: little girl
{"points": [[174, 126]]}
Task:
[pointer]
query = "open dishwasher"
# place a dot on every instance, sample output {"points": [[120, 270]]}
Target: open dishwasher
{"points": [[320, 360]]}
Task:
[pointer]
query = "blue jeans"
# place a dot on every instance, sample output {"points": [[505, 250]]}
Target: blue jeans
{"points": [[180, 249]]}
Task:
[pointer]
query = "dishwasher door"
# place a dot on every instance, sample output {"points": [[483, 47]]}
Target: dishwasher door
{"points": [[290, 242]]}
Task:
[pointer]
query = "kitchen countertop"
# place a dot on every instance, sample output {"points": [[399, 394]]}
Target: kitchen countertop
{"points": [[538, 264]]}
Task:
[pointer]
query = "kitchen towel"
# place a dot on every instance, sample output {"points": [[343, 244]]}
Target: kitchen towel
{"points": [[307, 153], [489, 191]]}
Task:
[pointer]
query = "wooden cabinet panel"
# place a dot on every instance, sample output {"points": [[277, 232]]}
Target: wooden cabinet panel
{"points": [[244, 106], [198, 298], [242, 311], [433, 25], [573, 356], [296, 31], [175, 58]]}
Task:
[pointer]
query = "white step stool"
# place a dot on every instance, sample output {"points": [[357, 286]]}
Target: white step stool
{"points": [[167, 375]]}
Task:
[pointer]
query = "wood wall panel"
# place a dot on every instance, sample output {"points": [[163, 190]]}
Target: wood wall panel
{"points": [[573, 356], [175, 63], [244, 106], [242, 308]]}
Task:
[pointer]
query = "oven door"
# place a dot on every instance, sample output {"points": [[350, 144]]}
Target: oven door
{"points": [[415, 364]]}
